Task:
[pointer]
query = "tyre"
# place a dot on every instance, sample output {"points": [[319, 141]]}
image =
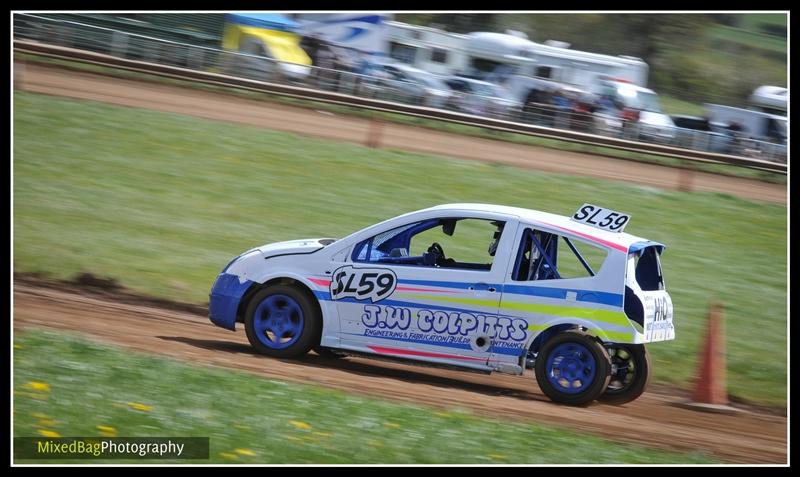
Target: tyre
{"points": [[282, 321], [630, 374], [572, 368]]}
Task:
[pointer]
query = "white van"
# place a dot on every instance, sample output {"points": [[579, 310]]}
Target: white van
{"points": [[653, 123]]}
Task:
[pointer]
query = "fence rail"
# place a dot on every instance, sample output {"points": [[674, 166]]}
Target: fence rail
{"points": [[114, 49]]}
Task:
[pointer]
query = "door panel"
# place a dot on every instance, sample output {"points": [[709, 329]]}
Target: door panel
{"points": [[438, 313]]}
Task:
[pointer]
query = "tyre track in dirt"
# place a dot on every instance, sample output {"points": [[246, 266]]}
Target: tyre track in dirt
{"points": [[226, 107], [748, 437]]}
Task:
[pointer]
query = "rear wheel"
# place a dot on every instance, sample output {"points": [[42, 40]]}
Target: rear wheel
{"points": [[630, 373], [572, 368], [281, 321]]}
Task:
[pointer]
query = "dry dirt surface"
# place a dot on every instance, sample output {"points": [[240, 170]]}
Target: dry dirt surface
{"points": [[748, 437], [225, 107]]}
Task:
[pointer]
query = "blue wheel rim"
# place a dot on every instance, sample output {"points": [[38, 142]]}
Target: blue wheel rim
{"points": [[571, 368], [278, 321]]}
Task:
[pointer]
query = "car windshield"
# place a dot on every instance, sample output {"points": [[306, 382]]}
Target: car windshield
{"points": [[484, 89], [648, 102]]}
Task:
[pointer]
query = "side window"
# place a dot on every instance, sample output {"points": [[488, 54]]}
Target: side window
{"points": [[547, 256], [457, 242]]}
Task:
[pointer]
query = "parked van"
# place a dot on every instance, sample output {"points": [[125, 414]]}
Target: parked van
{"points": [[770, 99], [652, 123]]}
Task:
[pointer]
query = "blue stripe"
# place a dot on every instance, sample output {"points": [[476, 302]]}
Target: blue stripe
{"points": [[589, 296], [498, 350]]}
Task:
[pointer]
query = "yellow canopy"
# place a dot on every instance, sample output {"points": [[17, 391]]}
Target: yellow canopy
{"points": [[282, 45]]}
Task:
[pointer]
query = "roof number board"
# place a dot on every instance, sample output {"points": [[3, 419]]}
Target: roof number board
{"points": [[598, 217]]}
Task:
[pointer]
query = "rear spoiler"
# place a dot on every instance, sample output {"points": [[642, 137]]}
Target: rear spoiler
{"points": [[638, 246]]}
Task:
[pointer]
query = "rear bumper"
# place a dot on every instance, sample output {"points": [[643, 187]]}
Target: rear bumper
{"points": [[224, 299]]}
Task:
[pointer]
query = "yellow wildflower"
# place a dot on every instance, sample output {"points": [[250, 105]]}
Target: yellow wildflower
{"points": [[37, 386], [140, 407], [107, 431], [300, 425]]}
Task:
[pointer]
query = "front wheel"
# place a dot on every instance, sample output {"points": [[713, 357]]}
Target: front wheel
{"points": [[281, 321], [630, 374], [572, 368]]}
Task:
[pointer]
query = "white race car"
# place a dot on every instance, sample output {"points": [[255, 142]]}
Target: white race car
{"points": [[475, 286]]}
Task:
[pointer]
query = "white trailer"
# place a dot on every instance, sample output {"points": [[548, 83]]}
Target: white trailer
{"points": [[430, 49], [513, 53], [757, 125]]}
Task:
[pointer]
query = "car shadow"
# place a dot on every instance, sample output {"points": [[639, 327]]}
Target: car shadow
{"points": [[365, 368]]}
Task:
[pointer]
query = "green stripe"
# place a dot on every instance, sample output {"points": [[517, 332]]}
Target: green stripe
{"points": [[621, 336], [604, 316]]}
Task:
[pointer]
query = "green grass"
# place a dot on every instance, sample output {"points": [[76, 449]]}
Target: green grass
{"points": [[749, 39], [753, 21], [269, 421], [671, 106], [162, 202]]}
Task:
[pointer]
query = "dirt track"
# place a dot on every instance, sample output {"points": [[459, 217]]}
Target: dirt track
{"points": [[62, 82], [750, 437]]}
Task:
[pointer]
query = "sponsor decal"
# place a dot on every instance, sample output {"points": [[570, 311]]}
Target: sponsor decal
{"points": [[436, 326], [372, 284]]}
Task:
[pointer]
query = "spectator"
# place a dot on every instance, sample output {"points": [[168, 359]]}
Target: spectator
{"points": [[325, 61], [737, 131], [563, 105], [606, 103]]}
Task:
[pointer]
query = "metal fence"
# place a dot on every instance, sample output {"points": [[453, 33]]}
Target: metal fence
{"points": [[261, 68]]}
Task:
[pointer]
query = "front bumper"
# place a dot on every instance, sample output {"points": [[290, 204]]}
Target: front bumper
{"points": [[224, 299]]}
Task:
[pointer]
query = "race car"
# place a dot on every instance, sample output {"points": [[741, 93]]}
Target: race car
{"points": [[474, 286]]}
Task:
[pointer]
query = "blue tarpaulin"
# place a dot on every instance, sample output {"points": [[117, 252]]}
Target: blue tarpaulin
{"points": [[270, 21]]}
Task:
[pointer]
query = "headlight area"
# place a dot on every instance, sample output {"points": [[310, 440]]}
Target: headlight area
{"points": [[247, 254]]}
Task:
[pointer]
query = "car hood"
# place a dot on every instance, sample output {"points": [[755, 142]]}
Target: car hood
{"points": [[656, 119], [294, 246]]}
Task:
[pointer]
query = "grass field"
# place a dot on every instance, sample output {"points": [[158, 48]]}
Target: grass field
{"points": [[162, 202], [672, 105], [74, 387], [749, 39]]}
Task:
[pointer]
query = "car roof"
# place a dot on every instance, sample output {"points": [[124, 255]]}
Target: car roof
{"points": [[471, 80], [687, 116], [629, 85], [618, 240]]}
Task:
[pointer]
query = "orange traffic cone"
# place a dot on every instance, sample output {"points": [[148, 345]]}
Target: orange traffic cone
{"points": [[710, 392], [709, 385]]}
